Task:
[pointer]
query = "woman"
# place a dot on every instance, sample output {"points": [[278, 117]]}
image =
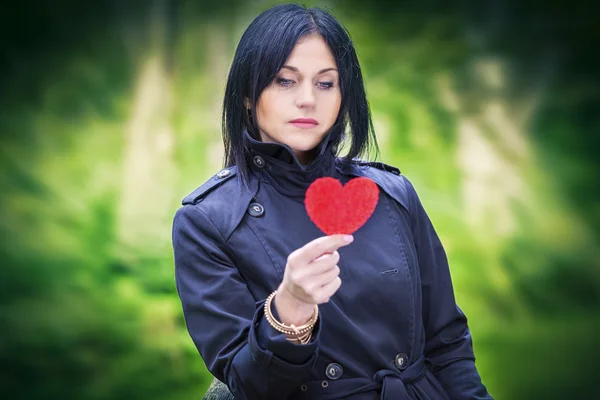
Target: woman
{"points": [[276, 309]]}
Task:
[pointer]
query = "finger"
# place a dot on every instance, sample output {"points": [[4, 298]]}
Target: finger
{"points": [[311, 276], [315, 268], [313, 284], [327, 276], [314, 287], [322, 245], [328, 290], [323, 265], [327, 258], [323, 257]]}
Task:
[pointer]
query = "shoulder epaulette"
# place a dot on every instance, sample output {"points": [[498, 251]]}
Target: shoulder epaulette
{"points": [[217, 180], [379, 165], [385, 176]]}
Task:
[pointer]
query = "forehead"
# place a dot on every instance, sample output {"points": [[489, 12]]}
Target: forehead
{"points": [[311, 52]]}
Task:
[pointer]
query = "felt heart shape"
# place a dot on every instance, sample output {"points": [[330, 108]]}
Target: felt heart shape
{"points": [[341, 209]]}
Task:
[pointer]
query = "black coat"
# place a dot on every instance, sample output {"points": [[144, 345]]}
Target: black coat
{"points": [[392, 331]]}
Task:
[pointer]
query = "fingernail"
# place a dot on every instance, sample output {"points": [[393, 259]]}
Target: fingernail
{"points": [[348, 238]]}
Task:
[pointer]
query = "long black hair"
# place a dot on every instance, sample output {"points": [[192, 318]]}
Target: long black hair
{"points": [[262, 51]]}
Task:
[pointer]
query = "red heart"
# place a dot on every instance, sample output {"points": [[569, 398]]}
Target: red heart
{"points": [[341, 209]]}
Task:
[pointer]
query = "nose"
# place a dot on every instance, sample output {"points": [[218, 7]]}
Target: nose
{"points": [[306, 95]]}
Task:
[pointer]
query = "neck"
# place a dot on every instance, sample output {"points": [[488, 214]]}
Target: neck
{"points": [[305, 157], [288, 171]]}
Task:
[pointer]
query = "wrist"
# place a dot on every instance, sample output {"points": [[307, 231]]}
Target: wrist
{"points": [[290, 310], [299, 334]]}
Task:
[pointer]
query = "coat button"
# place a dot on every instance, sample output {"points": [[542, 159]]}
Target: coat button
{"points": [[256, 210], [259, 161], [334, 371], [401, 361], [223, 174]]}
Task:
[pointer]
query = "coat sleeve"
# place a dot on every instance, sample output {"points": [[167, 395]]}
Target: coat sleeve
{"points": [[448, 345], [237, 344]]}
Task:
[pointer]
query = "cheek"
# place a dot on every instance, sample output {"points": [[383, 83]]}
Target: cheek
{"points": [[266, 106], [333, 104]]}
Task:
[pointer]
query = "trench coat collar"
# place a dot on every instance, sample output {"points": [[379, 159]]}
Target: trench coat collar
{"points": [[277, 165]]}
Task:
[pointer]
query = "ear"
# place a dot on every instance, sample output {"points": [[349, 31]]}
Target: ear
{"points": [[247, 103]]}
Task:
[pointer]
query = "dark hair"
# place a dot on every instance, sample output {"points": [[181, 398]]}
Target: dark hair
{"points": [[262, 51]]}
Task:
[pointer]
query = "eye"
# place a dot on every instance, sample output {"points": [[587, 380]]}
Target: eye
{"points": [[284, 82], [325, 85]]}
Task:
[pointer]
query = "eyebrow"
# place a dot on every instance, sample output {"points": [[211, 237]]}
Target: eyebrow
{"points": [[318, 73]]}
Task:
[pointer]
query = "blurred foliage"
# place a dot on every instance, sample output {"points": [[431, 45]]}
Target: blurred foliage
{"points": [[109, 114]]}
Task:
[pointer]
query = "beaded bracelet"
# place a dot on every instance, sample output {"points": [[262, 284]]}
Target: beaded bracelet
{"points": [[301, 334]]}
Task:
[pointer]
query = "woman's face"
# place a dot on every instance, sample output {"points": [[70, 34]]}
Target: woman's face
{"points": [[301, 105]]}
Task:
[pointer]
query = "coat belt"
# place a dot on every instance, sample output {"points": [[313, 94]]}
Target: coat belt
{"points": [[391, 383]]}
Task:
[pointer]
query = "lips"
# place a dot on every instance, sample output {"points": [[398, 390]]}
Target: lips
{"points": [[304, 123]]}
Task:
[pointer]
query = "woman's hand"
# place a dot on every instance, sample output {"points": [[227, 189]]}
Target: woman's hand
{"points": [[311, 277]]}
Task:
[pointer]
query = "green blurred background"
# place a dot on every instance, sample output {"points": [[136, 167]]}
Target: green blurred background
{"points": [[109, 115]]}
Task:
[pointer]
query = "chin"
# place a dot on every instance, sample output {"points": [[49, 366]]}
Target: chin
{"points": [[303, 145], [304, 141]]}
